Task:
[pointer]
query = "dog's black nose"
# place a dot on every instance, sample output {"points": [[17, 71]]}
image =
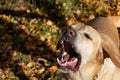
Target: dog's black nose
{"points": [[68, 35], [70, 32]]}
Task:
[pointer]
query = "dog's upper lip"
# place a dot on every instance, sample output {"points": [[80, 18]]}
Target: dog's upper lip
{"points": [[69, 58]]}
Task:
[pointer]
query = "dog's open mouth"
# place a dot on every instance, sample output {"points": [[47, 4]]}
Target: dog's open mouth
{"points": [[69, 58]]}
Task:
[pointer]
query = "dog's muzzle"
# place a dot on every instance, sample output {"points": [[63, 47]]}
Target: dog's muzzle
{"points": [[69, 58]]}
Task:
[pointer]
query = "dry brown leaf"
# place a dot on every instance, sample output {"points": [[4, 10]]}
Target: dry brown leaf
{"points": [[53, 68]]}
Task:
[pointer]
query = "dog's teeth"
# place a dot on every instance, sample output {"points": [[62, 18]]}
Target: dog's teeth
{"points": [[63, 56], [58, 61], [62, 60], [75, 60], [64, 64], [61, 42], [64, 53]]}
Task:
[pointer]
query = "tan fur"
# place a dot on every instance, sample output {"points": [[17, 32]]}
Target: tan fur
{"points": [[115, 20], [105, 40]]}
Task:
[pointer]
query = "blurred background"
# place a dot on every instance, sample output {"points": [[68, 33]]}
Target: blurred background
{"points": [[30, 29]]}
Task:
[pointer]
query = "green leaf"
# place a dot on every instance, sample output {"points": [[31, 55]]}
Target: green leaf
{"points": [[42, 9]]}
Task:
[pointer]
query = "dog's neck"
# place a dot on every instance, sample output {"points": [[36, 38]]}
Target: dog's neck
{"points": [[87, 71], [106, 70]]}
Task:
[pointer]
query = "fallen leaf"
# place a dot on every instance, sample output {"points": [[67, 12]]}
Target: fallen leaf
{"points": [[53, 68]]}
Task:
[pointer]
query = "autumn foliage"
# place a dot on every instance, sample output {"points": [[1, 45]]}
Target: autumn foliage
{"points": [[29, 31]]}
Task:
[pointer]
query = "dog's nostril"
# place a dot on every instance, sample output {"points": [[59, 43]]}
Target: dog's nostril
{"points": [[70, 32]]}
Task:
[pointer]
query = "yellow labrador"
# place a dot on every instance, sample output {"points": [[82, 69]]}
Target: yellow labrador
{"points": [[90, 51]]}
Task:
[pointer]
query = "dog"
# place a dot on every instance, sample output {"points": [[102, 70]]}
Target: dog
{"points": [[90, 51]]}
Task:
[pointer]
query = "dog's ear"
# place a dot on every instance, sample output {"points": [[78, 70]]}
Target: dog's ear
{"points": [[112, 50]]}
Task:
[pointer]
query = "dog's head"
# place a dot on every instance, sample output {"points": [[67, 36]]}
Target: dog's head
{"points": [[81, 44]]}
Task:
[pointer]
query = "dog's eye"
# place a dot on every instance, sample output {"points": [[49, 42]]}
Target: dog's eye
{"points": [[87, 36]]}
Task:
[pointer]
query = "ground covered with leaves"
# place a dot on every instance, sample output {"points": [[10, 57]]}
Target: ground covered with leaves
{"points": [[29, 31], [27, 48]]}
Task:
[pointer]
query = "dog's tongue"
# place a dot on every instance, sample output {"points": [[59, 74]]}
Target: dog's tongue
{"points": [[73, 62], [67, 61]]}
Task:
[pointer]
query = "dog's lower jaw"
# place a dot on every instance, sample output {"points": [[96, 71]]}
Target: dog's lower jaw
{"points": [[63, 70]]}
